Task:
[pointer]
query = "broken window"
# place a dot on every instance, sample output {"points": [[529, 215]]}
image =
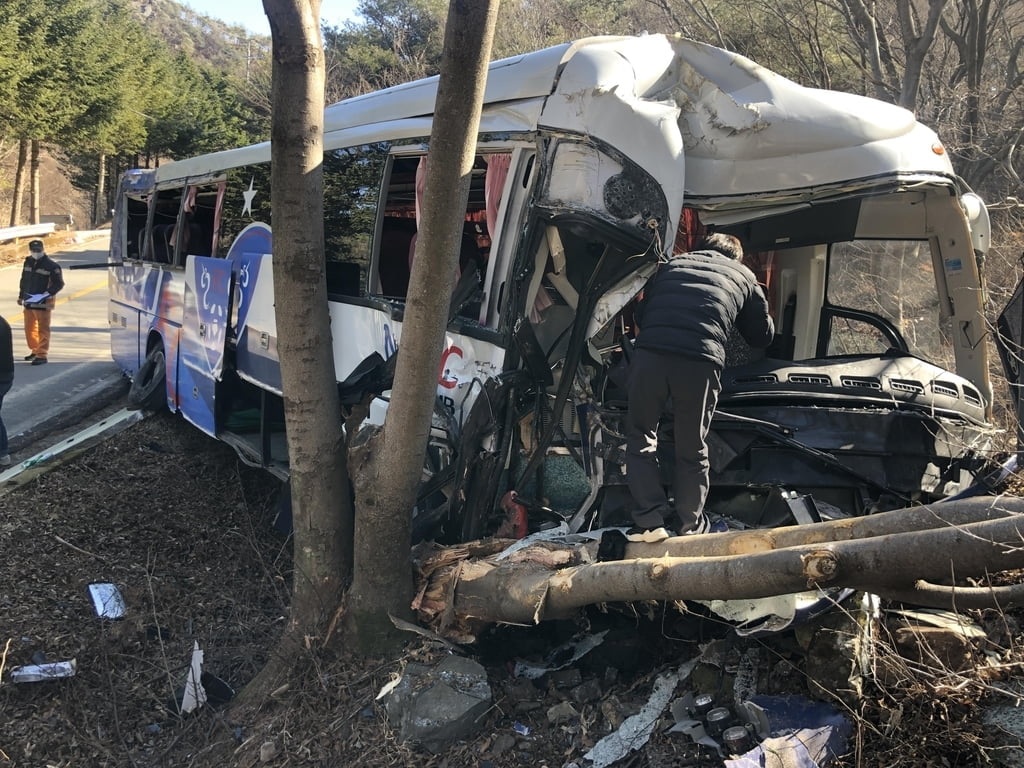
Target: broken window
{"points": [[399, 225], [876, 287]]}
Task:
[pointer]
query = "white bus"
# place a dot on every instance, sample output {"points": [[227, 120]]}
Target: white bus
{"points": [[595, 158]]}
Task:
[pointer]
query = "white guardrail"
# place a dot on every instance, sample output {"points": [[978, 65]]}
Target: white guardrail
{"points": [[10, 234]]}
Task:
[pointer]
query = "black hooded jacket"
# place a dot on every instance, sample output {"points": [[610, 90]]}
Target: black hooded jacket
{"points": [[693, 301]]}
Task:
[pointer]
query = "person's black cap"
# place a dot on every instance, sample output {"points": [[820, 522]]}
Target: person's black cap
{"points": [[35, 245]]}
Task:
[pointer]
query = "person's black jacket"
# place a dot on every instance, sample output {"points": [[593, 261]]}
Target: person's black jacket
{"points": [[41, 275], [6, 353], [694, 300]]}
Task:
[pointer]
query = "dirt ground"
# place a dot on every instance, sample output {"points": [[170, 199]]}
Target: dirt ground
{"points": [[186, 533]]}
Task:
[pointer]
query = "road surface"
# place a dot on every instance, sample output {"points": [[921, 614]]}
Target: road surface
{"points": [[80, 377]]}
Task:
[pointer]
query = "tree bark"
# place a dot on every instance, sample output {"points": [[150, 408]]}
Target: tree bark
{"points": [[33, 182], [19, 182], [99, 212], [888, 554], [387, 467], [321, 506]]}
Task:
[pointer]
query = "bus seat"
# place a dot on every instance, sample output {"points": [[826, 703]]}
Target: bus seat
{"points": [[343, 278], [160, 252], [393, 261]]}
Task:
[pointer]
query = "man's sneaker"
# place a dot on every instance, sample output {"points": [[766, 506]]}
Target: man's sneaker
{"points": [[39, 361], [30, 357], [5, 460], [649, 535]]}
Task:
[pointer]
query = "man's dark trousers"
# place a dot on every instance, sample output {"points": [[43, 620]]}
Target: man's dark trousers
{"points": [[660, 383]]}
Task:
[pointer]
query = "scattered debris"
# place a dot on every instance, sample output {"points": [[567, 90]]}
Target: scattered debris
{"points": [[560, 657], [41, 673], [107, 601], [637, 729], [194, 695]]}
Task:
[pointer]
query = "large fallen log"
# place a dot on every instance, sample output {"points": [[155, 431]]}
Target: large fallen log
{"points": [[895, 553]]}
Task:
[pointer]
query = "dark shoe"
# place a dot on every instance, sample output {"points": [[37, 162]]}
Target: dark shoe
{"points": [[39, 361], [30, 356], [612, 546]]}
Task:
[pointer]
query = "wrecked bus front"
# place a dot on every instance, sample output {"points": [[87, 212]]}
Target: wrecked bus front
{"points": [[875, 393]]}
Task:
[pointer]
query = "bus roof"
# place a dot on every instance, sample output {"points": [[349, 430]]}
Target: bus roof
{"points": [[711, 126]]}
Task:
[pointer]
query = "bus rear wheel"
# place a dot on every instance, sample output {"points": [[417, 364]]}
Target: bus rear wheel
{"points": [[149, 385]]}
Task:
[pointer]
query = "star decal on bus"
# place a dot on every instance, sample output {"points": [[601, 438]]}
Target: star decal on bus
{"points": [[248, 194]]}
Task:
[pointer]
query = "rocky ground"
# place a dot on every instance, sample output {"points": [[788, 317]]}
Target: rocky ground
{"points": [[186, 533]]}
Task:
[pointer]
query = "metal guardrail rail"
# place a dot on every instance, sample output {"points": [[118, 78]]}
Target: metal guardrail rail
{"points": [[13, 234]]}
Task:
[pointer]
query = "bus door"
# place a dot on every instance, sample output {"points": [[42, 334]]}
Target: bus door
{"points": [[209, 285]]}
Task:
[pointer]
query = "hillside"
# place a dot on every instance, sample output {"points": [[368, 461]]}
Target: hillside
{"points": [[224, 47]]}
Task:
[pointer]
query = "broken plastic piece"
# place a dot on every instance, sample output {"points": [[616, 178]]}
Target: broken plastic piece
{"points": [[107, 601], [38, 673], [194, 695]]}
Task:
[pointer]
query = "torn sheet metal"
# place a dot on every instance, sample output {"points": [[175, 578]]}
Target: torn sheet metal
{"points": [[557, 658], [560, 533], [107, 601], [636, 730], [768, 615]]}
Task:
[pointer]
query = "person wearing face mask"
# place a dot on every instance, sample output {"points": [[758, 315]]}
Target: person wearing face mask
{"points": [[41, 280]]}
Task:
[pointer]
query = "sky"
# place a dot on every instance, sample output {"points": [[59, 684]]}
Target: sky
{"points": [[249, 13]]}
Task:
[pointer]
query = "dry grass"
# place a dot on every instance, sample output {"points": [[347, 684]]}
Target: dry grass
{"points": [[184, 530]]}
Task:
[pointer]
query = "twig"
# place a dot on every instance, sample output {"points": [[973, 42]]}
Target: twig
{"points": [[79, 549], [3, 657]]}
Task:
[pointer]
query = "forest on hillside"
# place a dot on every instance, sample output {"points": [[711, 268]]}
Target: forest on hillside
{"points": [[133, 82]]}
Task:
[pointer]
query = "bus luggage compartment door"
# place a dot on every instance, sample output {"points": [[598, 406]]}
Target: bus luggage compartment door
{"points": [[208, 290], [255, 324]]}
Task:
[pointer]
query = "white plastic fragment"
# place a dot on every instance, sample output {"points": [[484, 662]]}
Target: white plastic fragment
{"points": [[195, 694]]}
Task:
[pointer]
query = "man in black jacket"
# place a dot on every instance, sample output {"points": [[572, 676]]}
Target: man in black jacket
{"points": [[41, 279], [689, 307], [6, 379]]}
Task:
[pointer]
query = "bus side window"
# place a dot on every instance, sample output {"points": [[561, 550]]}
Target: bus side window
{"points": [[352, 179], [135, 226], [397, 242], [244, 200]]}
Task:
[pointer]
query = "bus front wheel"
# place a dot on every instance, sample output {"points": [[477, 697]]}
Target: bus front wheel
{"points": [[149, 385]]}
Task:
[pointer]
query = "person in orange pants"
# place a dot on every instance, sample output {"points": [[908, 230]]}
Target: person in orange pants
{"points": [[41, 280]]}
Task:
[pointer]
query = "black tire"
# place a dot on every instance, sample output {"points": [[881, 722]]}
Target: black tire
{"points": [[149, 385]]}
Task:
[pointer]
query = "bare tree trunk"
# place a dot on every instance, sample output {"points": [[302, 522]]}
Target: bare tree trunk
{"points": [[19, 182], [33, 184], [99, 204], [321, 505], [388, 467], [896, 553]]}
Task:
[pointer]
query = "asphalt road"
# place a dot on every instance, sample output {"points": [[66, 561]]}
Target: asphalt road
{"points": [[80, 378]]}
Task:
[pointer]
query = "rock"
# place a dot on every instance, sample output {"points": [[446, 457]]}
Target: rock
{"points": [[435, 706], [613, 711], [566, 678], [268, 751], [935, 647], [838, 654], [563, 712], [1006, 724], [503, 743], [586, 692]]}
